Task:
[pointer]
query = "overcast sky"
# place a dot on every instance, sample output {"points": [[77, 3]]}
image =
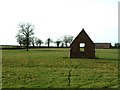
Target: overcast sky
{"points": [[56, 18]]}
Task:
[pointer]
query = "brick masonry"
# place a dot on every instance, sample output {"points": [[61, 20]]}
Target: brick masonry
{"points": [[89, 49]]}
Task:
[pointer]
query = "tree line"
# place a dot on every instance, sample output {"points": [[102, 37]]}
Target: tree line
{"points": [[25, 37]]}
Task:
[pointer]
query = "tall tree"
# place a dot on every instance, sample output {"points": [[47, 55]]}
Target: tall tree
{"points": [[48, 41], [27, 31], [67, 39]]}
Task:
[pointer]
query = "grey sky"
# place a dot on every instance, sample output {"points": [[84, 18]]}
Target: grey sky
{"points": [[56, 18]]}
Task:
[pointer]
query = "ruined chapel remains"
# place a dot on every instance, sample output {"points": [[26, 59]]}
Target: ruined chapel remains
{"points": [[88, 49]]}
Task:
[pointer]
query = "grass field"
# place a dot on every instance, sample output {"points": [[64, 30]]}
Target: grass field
{"points": [[52, 68]]}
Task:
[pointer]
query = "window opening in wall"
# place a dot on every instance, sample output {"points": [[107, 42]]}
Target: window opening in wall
{"points": [[82, 47]]}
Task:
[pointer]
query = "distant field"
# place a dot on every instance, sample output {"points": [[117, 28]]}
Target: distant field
{"points": [[52, 68]]}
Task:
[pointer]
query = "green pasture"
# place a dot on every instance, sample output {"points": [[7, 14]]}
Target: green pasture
{"points": [[52, 68]]}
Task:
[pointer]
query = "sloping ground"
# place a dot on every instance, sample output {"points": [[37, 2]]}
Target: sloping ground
{"points": [[52, 68]]}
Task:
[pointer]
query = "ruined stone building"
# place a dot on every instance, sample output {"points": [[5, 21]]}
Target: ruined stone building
{"points": [[88, 49]]}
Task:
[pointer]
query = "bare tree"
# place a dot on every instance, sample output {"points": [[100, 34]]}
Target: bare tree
{"points": [[20, 39], [26, 30], [67, 39], [32, 41], [39, 42], [58, 43]]}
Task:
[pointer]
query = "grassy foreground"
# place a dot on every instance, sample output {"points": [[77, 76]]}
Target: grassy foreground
{"points": [[52, 68]]}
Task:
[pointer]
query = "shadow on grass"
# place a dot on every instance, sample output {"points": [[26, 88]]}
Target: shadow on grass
{"points": [[97, 58], [66, 57], [47, 50], [106, 59]]}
